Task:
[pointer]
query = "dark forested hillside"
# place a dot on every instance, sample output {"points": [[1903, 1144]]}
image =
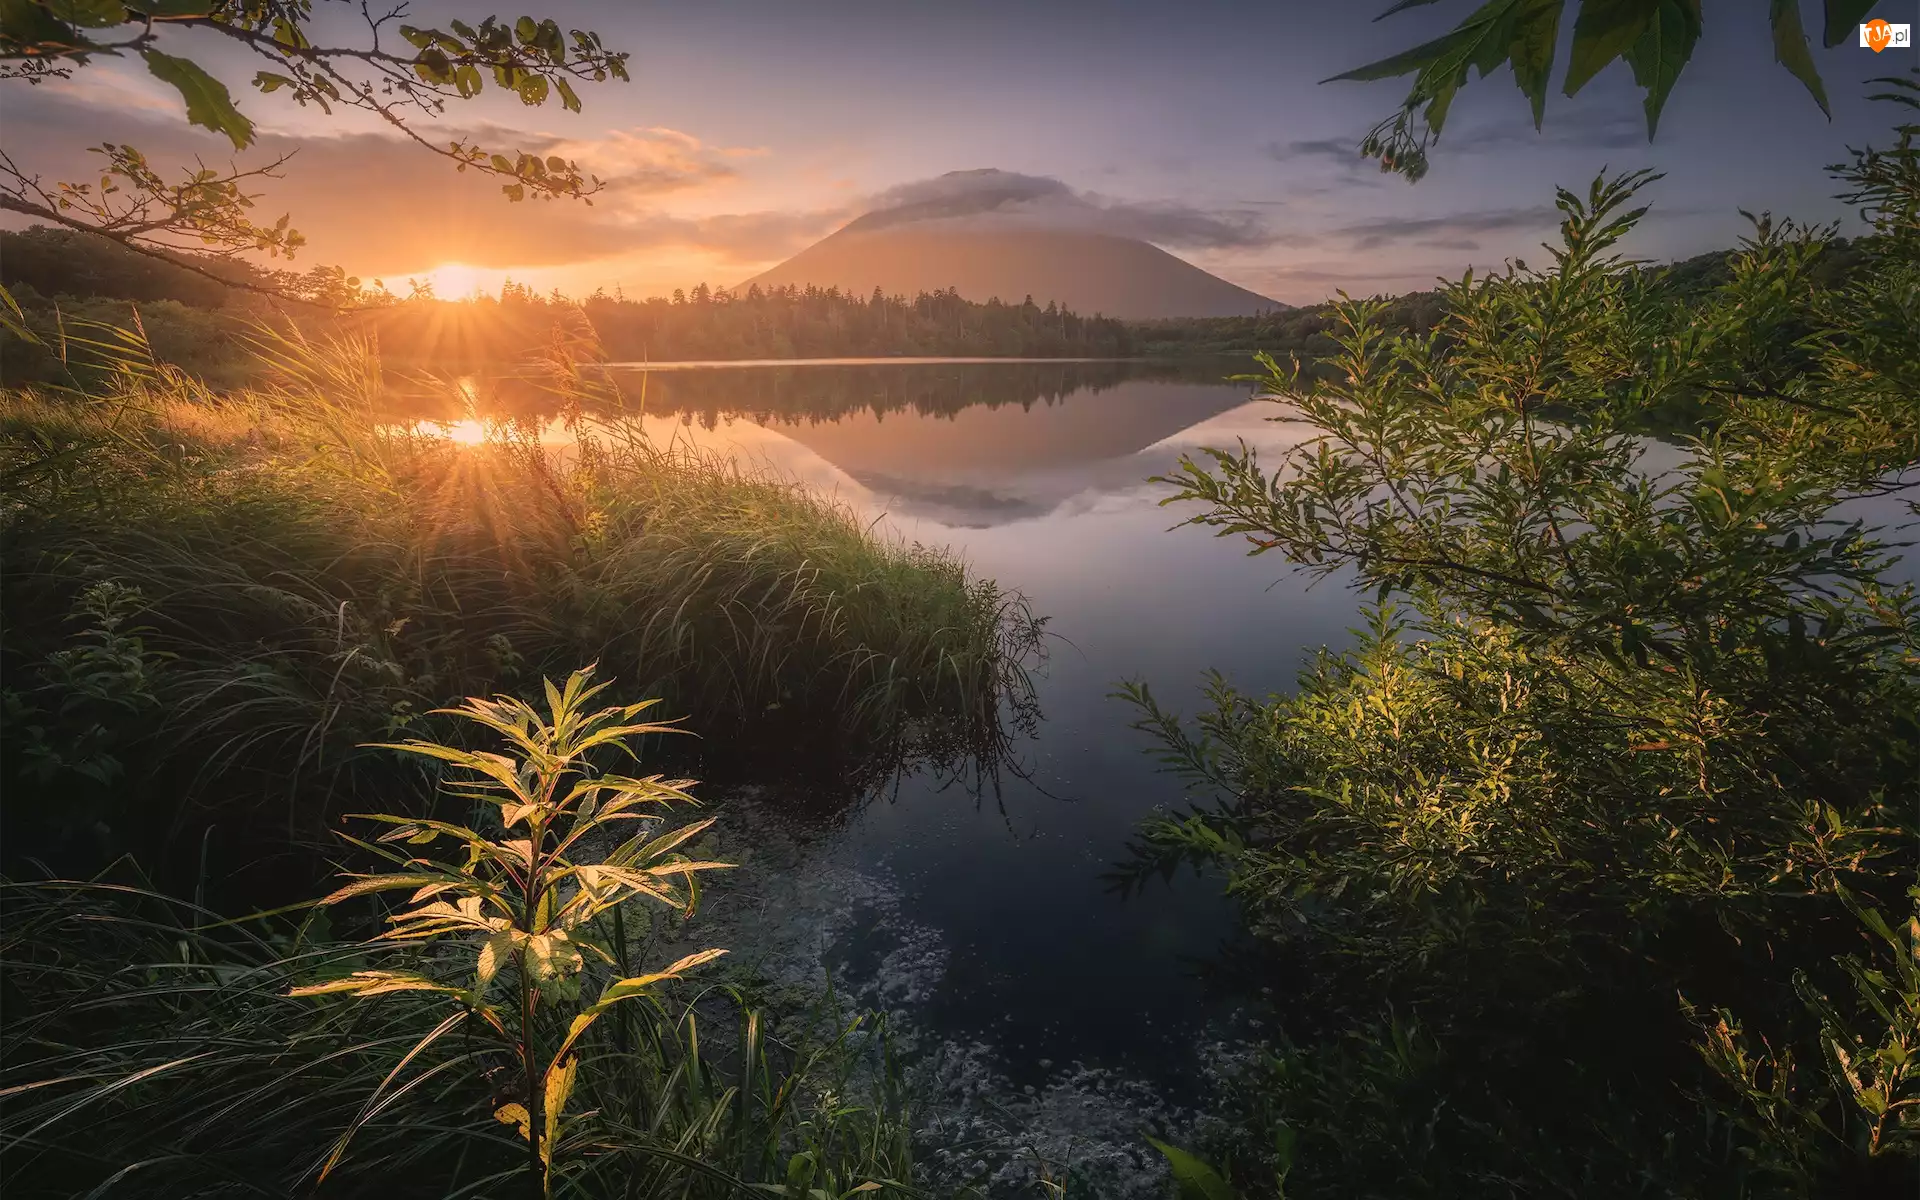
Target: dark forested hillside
{"points": [[193, 320], [811, 323]]}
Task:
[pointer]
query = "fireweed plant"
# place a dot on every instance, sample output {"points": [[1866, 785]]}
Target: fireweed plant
{"points": [[516, 912]]}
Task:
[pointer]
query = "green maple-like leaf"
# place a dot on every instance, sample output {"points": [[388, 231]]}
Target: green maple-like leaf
{"points": [[1536, 29], [1790, 50], [1605, 30], [1662, 51], [1844, 16]]}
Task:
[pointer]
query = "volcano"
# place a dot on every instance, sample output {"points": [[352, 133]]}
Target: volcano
{"points": [[992, 241]]}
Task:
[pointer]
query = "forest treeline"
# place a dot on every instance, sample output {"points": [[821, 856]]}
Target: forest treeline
{"points": [[189, 316], [191, 319]]}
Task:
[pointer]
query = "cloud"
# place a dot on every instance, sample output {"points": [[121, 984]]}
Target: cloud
{"points": [[1312, 282], [753, 237], [1582, 127], [1330, 165], [648, 161], [1444, 232], [1340, 149], [1010, 197], [378, 204], [1334, 165]]}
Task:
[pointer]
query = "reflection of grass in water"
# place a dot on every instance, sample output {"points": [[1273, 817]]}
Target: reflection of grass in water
{"points": [[288, 573]]}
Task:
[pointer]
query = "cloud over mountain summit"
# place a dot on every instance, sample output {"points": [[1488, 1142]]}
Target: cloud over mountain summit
{"points": [[1008, 199]]}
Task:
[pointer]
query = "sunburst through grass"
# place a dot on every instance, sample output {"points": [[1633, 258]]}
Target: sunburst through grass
{"points": [[312, 570]]}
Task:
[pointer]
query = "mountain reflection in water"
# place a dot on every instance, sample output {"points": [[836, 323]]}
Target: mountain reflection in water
{"points": [[967, 446], [981, 918], [985, 920]]}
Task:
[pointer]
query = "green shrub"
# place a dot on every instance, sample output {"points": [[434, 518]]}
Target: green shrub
{"points": [[1575, 873]]}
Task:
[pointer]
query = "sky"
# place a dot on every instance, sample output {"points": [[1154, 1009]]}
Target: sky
{"points": [[751, 129]]}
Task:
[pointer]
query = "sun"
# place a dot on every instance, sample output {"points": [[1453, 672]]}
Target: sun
{"points": [[458, 281], [466, 433]]}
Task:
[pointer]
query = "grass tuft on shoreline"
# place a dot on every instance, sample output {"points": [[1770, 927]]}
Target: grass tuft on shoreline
{"points": [[212, 599]]}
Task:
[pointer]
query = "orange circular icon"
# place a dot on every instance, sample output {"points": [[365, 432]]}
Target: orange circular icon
{"points": [[1879, 33]]}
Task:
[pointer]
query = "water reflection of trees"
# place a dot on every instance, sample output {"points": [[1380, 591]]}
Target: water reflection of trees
{"points": [[797, 394], [827, 393]]}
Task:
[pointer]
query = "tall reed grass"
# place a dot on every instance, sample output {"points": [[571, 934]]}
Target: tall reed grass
{"points": [[212, 599]]}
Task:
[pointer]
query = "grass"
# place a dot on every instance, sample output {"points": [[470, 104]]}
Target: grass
{"points": [[151, 1049], [212, 600]]}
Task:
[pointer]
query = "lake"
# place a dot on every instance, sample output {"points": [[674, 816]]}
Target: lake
{"points": [[981, 918], [1050, 1014]]}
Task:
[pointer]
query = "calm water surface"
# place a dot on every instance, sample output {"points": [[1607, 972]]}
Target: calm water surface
{"points": [[988, 915], [981, 920]]}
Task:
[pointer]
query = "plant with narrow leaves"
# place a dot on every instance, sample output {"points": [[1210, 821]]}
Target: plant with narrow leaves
{"points": [[1633, 720], [520, 900], [1865, 1089]]}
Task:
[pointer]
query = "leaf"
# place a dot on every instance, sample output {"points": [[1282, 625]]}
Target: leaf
{"points": [[1605, 30], [1662, 51], [623, 988], [493, 955], [208, 104], [368, 884], [552, 956], [497, 767], [31, 24], [1407, 61], [1536, 30], [1790, 50], [559, 1087], [376, 983], [1193, 1178], [13, 320], [332, 987], [687, 867], [1845, 16], [88, 14], [513, 814], [627, 989], [668, 841], [532, 90], [515, 1115]]}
